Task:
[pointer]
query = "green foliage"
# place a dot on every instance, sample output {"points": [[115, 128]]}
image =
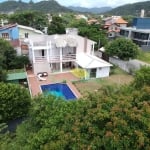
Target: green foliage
{"points": [[144, 56], [3, 75], [92, 32], [20, 62], [131, 9], [7, 54], [14, 102], [123, 48], [56, 26], [32, 18], [109, 119], [142, 77]]}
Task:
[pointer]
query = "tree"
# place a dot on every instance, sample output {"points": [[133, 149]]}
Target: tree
{"points": [[14, 102], [142, 77], [56, 26], [33, 19], [7, 54], [123, 48], [119, 120]]}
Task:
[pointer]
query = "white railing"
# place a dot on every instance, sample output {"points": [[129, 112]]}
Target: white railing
{"points": [[40, 59], [56, 58], [64, 58]]}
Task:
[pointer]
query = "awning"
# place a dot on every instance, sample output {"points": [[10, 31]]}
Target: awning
{"points": [[88, 61], [16, 76]]}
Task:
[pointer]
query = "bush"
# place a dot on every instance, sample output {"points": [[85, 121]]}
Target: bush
{"points": [[14, 102]]}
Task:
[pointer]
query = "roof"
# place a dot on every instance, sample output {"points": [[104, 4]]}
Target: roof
{"points": [[16, 76], [121, 21], [8, 26], [91, 61], [30, 28], [20, 26]]}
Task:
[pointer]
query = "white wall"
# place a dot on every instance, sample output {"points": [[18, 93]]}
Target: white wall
{"points": [[41, 67], [102, 72]]}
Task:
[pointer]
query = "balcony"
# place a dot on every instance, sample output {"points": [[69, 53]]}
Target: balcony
{"points": [[56, 58]]}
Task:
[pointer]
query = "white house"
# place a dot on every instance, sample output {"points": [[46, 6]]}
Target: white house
{"points": [[61, 53]]}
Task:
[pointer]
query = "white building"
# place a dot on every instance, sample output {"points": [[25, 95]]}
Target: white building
{"points": [[61, 53]]}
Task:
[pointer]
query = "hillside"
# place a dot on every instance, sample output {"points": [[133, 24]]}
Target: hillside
{"points": [[131, 9], [44, 6], [90, 10]]}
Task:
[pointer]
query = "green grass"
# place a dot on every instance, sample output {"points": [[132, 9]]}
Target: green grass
{"points": [[117, 78], [144, 56]]}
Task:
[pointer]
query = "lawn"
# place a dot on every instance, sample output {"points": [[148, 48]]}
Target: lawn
{"points": [[144, 56], [117, 78]]}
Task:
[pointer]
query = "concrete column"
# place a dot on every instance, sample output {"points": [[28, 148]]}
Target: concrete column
{"points": [[61, 59], [47, 49], [33, 55]]}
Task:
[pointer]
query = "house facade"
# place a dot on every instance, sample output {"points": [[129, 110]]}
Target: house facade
{"points": [[113, 24], [139, 33], [61, 53], [15, 34]]}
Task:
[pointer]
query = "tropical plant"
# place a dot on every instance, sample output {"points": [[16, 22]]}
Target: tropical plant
{"points": [[122, 48]]}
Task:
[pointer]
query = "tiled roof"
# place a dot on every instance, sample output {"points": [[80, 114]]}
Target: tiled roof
{"points": [[121, 21]]}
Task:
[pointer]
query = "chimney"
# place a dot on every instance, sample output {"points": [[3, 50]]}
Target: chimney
{"points": [[142, 13]]}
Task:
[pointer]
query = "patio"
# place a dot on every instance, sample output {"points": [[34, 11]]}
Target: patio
{"points": [[34, 83]]}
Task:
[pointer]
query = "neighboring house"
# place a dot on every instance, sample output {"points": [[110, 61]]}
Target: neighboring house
{"points": [[61, 53], [93, 21], [139, 33], [15, 34], [113, 24]]}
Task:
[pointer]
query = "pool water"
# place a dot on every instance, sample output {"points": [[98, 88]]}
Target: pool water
{"points": [[58, 89]]}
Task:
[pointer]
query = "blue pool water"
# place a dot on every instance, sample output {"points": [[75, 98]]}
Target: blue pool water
{"points": [[59, 90]]}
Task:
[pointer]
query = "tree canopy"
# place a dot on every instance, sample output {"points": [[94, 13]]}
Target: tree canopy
{"points": [[33, 19], [107, 119], [14, 102], [123, 48]]}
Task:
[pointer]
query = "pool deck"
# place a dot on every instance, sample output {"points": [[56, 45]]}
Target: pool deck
{"points": [[34, 83]]}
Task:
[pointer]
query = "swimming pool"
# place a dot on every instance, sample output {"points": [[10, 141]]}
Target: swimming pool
{"points": [[59, 90]]}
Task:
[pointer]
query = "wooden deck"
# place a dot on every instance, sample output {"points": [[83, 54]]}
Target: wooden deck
{"points": [[34, 83]]}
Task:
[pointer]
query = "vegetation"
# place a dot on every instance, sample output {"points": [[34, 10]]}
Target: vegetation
{"points": [[14, 102], [122, 48], [131, 9], [144, 56], [142, 77], [43, 6], [56, 26], [111, 118], [33, 19], [9, 59]]}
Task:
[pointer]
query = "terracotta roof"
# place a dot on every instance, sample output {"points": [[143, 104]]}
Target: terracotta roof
{"points": [[121, 21]]}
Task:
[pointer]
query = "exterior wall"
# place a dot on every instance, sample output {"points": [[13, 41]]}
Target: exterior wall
{"points": [[13, 33], [83, 43], [141, 23], [102, 72], [23, 31], [41, 67]]}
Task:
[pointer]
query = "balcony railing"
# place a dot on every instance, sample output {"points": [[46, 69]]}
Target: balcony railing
{"points": [[56, 58]]}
